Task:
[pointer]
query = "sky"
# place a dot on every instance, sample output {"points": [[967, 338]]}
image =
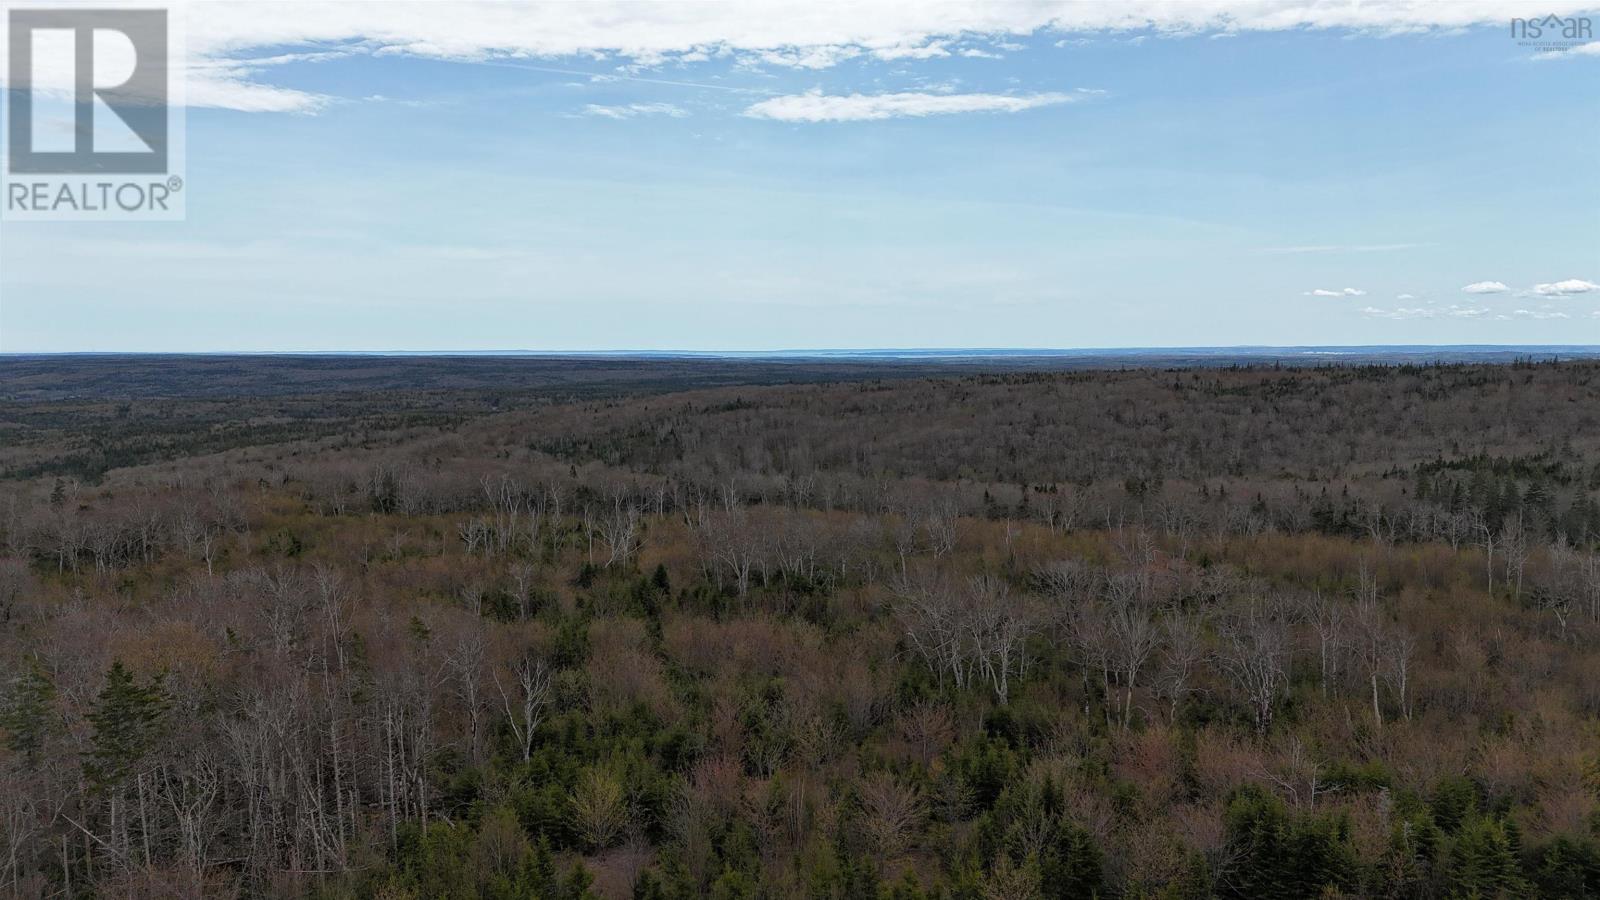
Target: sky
{"points": [[719, 176]]}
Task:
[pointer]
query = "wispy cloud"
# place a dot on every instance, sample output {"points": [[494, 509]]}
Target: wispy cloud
{"points": [[1590, 49], [930, 50], [1374, 312], [1426, 312], [634, 110], [1485, 287], [1346, 292], [1341, 248], [805, 57], [815, 106]]}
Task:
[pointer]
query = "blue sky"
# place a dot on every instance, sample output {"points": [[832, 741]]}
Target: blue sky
{"points": [[689, 180]]}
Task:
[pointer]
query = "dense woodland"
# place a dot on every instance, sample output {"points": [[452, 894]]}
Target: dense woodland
{"points": [[1188, 632]]}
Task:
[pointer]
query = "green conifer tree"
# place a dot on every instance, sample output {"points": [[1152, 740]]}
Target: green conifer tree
{"points": [[127, 718], [27, 711]]}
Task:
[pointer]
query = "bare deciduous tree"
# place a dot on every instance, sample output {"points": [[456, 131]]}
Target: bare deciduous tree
{"points": [[620, 529], [1326, 616], [524, 703], [465, 661], [893, 813], [928, 727], [1384, 648], [1183, 649], [1254, 654], [1133, 633]]}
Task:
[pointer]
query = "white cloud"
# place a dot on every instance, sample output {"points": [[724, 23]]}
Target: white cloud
{"points": [[1405, 296], [931, 50], [1564, 288], [1347, 292], [1590, 49], [221, 36], [815, 106], [633, 110], [236, 92], [226, 81], [806, 57], [1485, 287]]}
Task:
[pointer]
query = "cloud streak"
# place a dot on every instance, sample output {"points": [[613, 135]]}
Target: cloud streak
{"points": [[816, 106], [1340, 248], [1426, 312], [634, 110]]}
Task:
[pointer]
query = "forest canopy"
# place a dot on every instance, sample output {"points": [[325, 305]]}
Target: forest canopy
{"points": [[668, 632]]}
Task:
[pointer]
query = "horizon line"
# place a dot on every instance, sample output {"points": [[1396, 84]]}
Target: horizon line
{"points": [[802, 352]]}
